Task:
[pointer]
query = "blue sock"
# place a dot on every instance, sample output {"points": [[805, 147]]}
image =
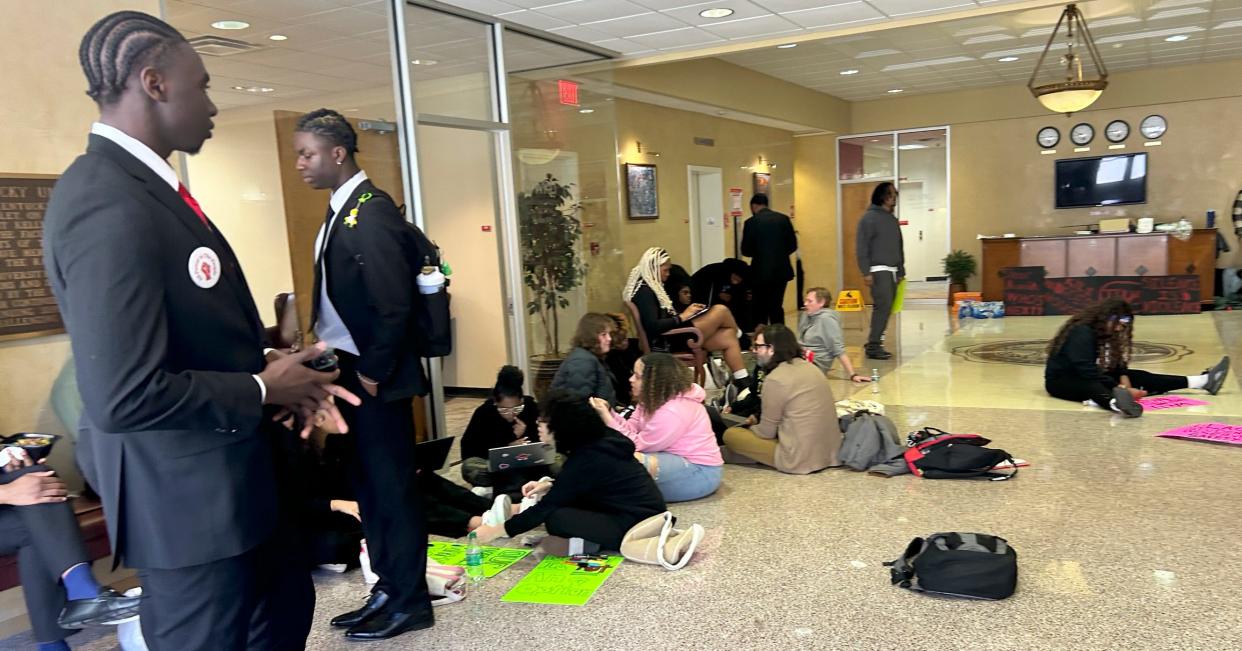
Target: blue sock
{"points": [[80, 583], [58, 645]]}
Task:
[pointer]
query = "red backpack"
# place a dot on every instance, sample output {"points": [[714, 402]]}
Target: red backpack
{"points": [[937, 454]]}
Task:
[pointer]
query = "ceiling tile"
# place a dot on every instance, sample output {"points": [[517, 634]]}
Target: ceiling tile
{"points": [[585, 11], [623, 46], [903, 7], [781, 6], [751, 27], [489, 7], [850, 12], [641, 24], [676, 38], [533, 19], [741, 9]]}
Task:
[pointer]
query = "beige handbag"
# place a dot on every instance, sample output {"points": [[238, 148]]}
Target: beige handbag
{"points": [[654, 541]]}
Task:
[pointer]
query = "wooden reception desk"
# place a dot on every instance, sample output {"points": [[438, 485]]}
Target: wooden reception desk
{"points": [[1103, 254]]}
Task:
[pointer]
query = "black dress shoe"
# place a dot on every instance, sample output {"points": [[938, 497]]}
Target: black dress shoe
{"points": [[878, 353], [389, 624], [107, 608], [374, 604]]}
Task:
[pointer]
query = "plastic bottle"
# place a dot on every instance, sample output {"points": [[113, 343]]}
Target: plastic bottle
{"points": [[431, 280], [474, 559], [875, 380]]}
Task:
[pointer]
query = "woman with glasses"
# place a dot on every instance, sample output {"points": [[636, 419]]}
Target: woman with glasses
{"points": [[507, 418], [797, 431], [1088, 361]]}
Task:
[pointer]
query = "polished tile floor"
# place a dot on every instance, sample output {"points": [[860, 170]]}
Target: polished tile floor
{"points": [[1125, 541]]}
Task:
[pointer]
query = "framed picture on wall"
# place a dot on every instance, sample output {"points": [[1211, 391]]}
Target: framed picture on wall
{"points": [[641, 192], [763, 184]]}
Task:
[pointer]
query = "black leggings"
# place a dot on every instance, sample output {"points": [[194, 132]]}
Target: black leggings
{"points": [[605, 529], [1072, 387]]}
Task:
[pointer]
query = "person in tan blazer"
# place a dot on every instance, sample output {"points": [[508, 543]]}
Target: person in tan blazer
{"points": [[798, 431]]}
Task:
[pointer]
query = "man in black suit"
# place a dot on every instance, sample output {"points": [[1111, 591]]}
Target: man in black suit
{"points": [[364, 306], [169, 355], [768, 238]]}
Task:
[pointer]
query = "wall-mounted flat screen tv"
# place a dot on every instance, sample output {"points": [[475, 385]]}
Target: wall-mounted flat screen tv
{"points": [[1101, 181]]}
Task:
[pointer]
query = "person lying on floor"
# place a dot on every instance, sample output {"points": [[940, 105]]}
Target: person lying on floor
{"points": [[798, 432], [602, 490], [670, 428], [1088, 362], [507, 418], [38, 524]]}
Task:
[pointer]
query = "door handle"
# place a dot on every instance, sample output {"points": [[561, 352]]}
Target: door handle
{"points": [[920, 236]]}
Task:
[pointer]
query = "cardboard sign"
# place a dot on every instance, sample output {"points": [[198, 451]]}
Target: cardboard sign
{"points": [[1029, 292], [563, 581], [1215, 432], [495, 559], [849, 300]]}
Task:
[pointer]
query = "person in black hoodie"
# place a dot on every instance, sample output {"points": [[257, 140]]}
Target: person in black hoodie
{"points": [[602, 490], [507, 418], [1088, 361]]}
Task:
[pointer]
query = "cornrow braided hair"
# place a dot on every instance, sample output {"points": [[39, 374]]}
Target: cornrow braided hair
{"points": [[119, 44], [331, 125]]}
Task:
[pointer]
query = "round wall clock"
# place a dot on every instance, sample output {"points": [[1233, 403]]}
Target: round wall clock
{"points": [[1153, 126], [1082, 134], [1048, 137], [1117, 131]]}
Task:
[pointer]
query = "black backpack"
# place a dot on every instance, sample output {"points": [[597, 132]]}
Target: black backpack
{"points": [[973, 565], [937, 454]]}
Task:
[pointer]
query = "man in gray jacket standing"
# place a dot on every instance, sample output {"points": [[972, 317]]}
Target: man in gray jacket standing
{"points": [[881, 260]]}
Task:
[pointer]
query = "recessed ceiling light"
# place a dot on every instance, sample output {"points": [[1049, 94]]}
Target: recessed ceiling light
{"points": [[1177, 38], [1007, 59], [278, 37], [586, 110], [424, 62], [896, 90], [230, 24], [719, 12], [787, 46], [851, 71]]}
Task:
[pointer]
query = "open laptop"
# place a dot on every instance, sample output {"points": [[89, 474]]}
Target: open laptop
{"points": [[521, 456], [430, 455]]}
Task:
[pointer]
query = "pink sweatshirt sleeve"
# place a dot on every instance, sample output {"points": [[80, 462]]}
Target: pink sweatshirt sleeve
{"points": [[652, 434]]}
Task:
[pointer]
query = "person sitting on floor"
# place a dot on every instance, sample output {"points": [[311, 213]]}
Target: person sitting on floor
{"points": [[38, 524], [819, 330], [507, 418], [645, 289], [1088, 361], [620, 359], [798, 432], [670, 429], [583, 372], [601, 493]]}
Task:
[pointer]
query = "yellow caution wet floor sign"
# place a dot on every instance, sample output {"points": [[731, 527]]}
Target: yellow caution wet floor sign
{"points": [[849, 300]]}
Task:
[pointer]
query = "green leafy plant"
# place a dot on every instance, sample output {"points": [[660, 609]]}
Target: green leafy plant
{"points": [[551, 263], [958, 266]]}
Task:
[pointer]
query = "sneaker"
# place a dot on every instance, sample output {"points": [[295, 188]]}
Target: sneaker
{"points": [[878, 352], [558, 546], [482, 491], [1124, 402], [720, 375], [1216, 376], [338, 568], [501, 511]]}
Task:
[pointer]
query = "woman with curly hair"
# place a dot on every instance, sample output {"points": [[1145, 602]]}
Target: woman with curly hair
{"points": [[670, 429], [1088, 361]]}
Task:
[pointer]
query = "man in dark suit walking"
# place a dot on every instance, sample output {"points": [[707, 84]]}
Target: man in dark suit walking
{"points": [[768, 239], [364, 306], [169, 354]]}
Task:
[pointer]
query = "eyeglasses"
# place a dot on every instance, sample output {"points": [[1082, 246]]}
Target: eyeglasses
{"points": [[511, 411], [756, 347], [1124, 320]]}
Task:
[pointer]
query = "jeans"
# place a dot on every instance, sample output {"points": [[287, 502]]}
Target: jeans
{"points": [[682, 481]]}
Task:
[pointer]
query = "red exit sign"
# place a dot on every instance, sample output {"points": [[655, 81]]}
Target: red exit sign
{"points": [[568, 91]]}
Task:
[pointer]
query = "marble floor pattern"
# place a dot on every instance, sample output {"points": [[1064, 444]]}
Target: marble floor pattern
{"points": [[1124, 541]]}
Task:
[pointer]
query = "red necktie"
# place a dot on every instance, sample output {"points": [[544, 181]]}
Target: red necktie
{"points": [[189, 201]]}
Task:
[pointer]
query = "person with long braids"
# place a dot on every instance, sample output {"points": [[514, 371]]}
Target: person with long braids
{"points": [[645, 289], [1088, 361]]}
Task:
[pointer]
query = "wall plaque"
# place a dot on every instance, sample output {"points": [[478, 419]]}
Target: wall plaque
{"points": [[27, 306]]}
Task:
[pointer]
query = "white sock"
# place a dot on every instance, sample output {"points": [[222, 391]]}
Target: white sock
{"points": [[1197, 381], [741, 374]]}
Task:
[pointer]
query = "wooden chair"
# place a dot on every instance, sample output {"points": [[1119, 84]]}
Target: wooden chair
{"points": [[696, 359]]}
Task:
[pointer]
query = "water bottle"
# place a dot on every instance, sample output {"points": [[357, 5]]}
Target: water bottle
{"points": [[474, 559], [431, 280], [875, 380]]}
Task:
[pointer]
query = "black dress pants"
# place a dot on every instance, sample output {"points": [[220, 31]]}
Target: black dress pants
{"points": [[449, 507], [883, 292], [605, 529], [48, 541], [770, 301], [386, 487], [1078, 389]]}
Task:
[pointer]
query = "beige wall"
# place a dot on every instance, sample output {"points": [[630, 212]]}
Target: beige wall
{"points": [[1001, 183], [815, 195]]}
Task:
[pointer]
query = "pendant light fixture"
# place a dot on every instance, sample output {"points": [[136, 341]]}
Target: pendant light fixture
{"points": [[1073, 90]]}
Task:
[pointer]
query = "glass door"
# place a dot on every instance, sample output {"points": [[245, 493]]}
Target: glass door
{"points": [[923, 209]]}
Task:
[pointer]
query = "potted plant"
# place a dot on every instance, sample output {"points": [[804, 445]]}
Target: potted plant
{"points": [[551, 266], [958, 266]]}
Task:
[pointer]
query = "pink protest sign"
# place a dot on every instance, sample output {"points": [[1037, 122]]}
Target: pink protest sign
{"points": [[1218, 432], [1170, 402]]}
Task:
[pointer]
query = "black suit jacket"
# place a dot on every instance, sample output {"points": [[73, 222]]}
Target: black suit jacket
{"points": [[370, 274], [768, 239], [170, 433]]}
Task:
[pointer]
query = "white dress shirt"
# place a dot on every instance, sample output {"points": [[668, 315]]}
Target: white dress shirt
{"points": [[330, 328], [162, 169]]}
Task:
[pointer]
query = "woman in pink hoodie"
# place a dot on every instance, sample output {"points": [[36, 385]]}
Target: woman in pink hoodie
{"points": [[670, 429]]}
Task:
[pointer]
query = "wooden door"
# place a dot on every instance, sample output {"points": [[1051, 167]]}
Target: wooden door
{"points": [[855, 199], [380, 156]]}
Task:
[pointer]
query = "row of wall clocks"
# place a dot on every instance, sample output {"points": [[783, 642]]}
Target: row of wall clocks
{"points": [[1152, 127]]}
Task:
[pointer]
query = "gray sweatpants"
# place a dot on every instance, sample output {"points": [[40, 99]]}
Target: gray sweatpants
{"points": [[883, 290]]}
